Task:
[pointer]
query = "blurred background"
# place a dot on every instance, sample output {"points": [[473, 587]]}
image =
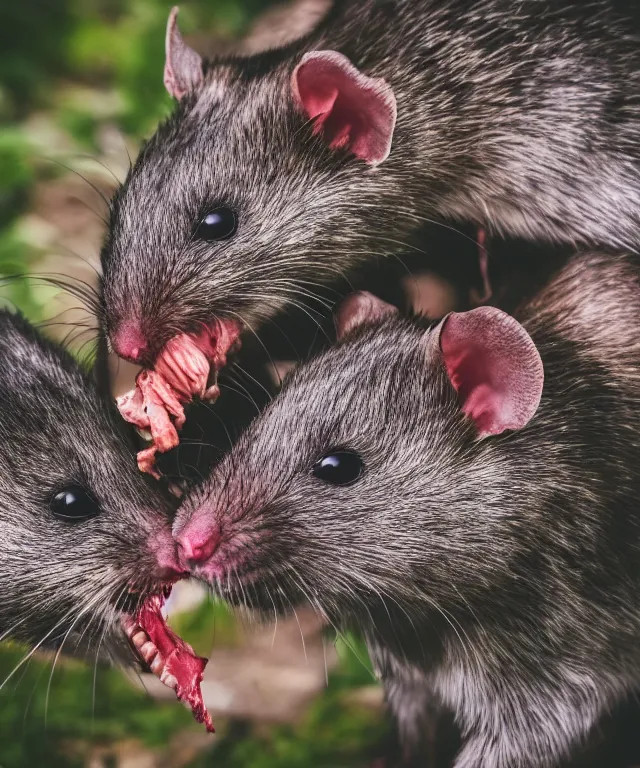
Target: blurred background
{"points": [[80, 87]]}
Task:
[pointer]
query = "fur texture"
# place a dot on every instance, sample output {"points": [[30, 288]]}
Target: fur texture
{"points": [[64, 582], [522, 116], [500, 574]]}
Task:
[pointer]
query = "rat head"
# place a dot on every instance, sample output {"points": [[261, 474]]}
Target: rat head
{"points": [[265, 181], [85, 537], [381, 474]]}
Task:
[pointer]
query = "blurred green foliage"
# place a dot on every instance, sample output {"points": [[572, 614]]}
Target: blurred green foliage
{"points": [[17, 176], [33, 41], [210, 623], [49, 718], [53, 711], [116, 43], [336, 732], [17, 173]]}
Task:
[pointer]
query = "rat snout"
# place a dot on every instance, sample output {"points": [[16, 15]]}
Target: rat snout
{"points": [[129, 342], [198, 541], [168, 566]]}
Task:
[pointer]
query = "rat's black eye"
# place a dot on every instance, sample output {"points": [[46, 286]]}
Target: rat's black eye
{"points": [[217, 225], [339, 468], [74, 504]]}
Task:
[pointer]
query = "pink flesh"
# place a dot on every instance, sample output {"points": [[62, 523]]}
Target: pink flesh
{"points": [[179, 658], [181, 373], [147, 461], [184, 366]]}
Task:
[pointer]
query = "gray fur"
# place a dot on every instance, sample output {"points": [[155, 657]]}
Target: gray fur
{"points": [[64, 583], [502, 575], [523, 116]]}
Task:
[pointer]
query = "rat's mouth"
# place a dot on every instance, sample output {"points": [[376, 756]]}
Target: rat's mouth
{"points": [[185, 369], [170, 659]]}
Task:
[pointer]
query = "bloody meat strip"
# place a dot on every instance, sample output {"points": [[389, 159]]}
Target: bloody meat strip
{"points": [[161, 403], [187, 360], [151, 405], [182, 371], [175, 663], [147, 461], [216, 346]]}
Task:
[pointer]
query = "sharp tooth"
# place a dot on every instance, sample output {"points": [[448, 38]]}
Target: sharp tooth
{"points": [[157, 665], [148, 651], [145, 434], [169, 680], [129, 632], [140, 638]]}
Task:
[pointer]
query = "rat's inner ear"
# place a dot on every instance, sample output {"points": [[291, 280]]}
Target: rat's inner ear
{"points": [[494, 367], [350, 110], [361, 308], [183, 66]]}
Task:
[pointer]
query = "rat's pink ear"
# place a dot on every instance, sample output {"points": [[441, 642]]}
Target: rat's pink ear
{"points": [[494, 366], [182, 66], [360, 308], [352, 111]]}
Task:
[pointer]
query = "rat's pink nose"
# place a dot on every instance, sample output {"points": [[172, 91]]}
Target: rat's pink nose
{"points": [[196, 546], [129, 343]]}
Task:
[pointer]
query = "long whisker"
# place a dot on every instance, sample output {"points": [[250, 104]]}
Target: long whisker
{"points": [[99, 162], [93, 186], [53, 667]]}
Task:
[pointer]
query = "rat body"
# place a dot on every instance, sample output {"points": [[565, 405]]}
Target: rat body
{"points": [[84, 536], [285, 169], [479, 526]]}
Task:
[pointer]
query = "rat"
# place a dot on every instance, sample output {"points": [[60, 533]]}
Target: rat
{"points": [[287, 168], [87, 554], [463, 491]]}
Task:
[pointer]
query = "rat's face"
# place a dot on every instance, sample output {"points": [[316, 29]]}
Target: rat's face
{"points": [[84, 535], [234, 209], [364, 484], [217, 219]]}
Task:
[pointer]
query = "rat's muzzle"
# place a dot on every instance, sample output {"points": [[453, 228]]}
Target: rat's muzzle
{"points": [[170, 659]]}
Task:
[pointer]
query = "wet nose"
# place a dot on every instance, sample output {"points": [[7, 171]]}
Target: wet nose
{"points": [[129, 343], [195, 547]]}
